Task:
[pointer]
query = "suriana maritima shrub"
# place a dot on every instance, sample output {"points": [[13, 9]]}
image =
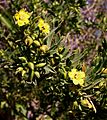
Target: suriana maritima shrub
{"points": [[40, 77]]}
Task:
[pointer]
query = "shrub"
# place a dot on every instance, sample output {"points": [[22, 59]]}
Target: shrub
{"points": [[40, 76]]}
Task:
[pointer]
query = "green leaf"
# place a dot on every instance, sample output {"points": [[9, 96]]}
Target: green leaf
{"points": [[3, 103], [23, 59], [37, 74], [40, 65], [31, 65], [19, 69], [32, 75], [49, 69], [21, 109], [6, 21]]}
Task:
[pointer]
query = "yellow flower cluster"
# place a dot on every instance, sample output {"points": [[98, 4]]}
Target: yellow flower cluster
{"points": [[22, 17], [44, 27], [77, 77]]}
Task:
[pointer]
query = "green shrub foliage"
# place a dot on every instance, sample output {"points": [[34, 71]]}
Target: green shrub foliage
{"points": [[40, 77]]}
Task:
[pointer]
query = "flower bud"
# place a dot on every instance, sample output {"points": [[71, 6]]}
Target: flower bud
{"points": [[86, 103], [36, 42], [75, 103], [28, 41], [44, 48]]}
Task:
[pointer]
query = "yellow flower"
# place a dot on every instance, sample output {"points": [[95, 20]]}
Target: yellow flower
{"points": [[44, 27], [22, 17], [41, 23], [77, 76]]}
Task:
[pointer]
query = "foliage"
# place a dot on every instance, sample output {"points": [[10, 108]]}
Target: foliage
{"points": [[40, 77]]}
